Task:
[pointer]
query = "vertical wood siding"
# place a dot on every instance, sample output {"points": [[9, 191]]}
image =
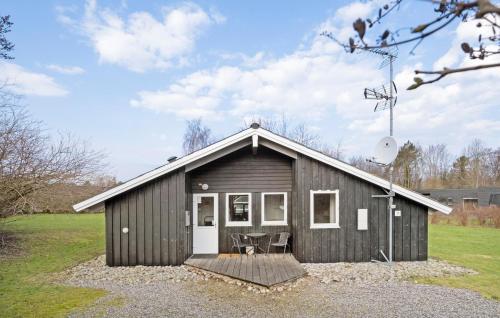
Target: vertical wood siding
{"points": [[155, 216], [155, 213], [348, 244]]}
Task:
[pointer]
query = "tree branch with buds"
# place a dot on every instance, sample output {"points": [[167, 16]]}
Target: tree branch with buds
{"points": [[486, 13]]}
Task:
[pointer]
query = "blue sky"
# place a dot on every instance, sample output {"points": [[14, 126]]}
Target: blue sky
{"points": [[126, 75]]}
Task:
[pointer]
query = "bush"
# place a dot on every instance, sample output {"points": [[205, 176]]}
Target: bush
{"points": [[482, 216], [461, 215]]}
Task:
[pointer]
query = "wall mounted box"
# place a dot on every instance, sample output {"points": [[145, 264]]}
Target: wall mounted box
{"points": [[362, 219]]}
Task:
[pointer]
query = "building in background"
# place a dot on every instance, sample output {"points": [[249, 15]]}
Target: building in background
{"points": [[465, 198]]}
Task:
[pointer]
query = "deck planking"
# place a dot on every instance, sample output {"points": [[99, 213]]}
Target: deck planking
{"points": [[264, 270]]}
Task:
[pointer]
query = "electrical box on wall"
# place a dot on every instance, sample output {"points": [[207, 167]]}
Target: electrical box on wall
{"points": [[397, 213], [362, 219], [188, 218]]}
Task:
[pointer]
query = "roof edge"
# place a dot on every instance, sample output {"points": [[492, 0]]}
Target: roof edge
{"points": [[181, 162], [148, 176]]}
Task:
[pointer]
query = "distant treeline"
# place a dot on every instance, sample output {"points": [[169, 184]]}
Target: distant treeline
{"points": [[433, 166]]}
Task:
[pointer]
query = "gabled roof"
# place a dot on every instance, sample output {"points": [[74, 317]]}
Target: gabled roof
{"points": [[282, 141]]}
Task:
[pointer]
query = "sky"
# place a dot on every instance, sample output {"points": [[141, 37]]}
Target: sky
{"points": [[126, 75]]}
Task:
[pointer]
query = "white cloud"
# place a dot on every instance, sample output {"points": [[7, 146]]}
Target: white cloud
{"points": [[316, 79], [140, 42], [25, 82], [298, 84], [320, 81], [68, 70]]}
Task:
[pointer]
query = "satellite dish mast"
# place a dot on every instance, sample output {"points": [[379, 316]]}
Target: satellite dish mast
{"points": [[386, 149]]}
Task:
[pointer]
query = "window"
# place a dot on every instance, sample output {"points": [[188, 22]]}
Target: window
{"points": [[238, 209], [470, 203], [324, 209], [274, 208]]}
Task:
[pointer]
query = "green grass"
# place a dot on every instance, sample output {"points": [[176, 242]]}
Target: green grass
{"points": [[49, 244], [477, 248]]}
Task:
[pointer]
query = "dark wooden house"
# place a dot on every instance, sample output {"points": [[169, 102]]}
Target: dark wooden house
{"points": [[257, 181]]}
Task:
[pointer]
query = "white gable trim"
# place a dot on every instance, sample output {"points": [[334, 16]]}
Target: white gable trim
{"points": [[354, 171], [417, 197], [153, 174]]}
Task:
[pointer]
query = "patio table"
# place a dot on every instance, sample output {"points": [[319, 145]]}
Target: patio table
{"points": [[255, 240]]}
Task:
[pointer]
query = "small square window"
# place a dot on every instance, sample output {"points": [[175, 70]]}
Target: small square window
{"points": [[324, 209], [274, 208], [238, 209]]}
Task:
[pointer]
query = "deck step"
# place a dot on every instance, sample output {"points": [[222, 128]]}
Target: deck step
{"points": [[260, 269]]}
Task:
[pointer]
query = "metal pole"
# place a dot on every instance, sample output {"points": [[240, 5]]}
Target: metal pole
{"points": [[391, 101]]}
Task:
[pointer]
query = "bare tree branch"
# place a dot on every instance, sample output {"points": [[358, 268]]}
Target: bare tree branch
{"points": [[448, 11], [446, 71]]}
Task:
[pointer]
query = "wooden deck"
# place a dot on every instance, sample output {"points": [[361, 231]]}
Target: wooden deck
{"points": [[261, 269]]}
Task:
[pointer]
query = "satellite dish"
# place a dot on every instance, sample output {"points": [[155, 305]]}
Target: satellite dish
{"points": [[386, 151]]}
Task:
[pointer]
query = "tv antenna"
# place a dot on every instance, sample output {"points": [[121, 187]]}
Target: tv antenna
{"points": [[386, 150]]}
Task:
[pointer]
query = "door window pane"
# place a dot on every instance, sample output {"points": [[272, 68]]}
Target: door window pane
{"points": [[206, 211]]}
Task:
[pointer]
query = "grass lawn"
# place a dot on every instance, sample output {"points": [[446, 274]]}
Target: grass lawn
{"points": [[477, 248], [49, 244]]}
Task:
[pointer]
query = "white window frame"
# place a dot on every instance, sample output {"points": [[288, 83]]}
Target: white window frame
{"points": [[263, 212], [334, 225], [239, 223]]}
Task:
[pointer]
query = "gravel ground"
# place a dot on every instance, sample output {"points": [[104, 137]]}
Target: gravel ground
{"points": [[341, 289]]}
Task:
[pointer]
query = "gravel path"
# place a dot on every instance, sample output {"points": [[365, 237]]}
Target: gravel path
{"points": [[342, 289]]}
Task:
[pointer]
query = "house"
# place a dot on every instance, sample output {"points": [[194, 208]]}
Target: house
{"points": [[468, 198], [257, 181]]}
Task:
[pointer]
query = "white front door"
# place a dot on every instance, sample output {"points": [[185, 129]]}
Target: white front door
{"points": [[205, 225]]}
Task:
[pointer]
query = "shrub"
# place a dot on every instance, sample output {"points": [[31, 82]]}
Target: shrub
{"points": [[461, 215]]}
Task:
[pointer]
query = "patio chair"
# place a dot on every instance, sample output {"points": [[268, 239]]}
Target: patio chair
{"points": [[282, 241], [238, 242]]}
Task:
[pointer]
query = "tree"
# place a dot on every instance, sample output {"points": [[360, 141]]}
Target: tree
{"points": [[370, 167], [196, 136], [5, 45], [485, 13], [407, 166], [459, 172], [30, 160], [299, 133], [492, 167], [435, 165], [476, 151]]}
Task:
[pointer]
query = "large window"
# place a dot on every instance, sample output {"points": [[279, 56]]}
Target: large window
{"points": [[238, 209], [324, 209], [274, 208]]}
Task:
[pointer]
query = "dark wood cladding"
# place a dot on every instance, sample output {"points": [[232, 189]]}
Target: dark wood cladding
{"points": [[154, 213], [242, 171], [347, 244]]}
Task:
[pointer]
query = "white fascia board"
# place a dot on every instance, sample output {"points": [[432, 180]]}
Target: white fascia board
{"points": [[354, 171], [274, 138], [163, 170]]}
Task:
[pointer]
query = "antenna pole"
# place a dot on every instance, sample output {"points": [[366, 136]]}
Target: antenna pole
{"points": [[391, 169], [381, 95]]}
